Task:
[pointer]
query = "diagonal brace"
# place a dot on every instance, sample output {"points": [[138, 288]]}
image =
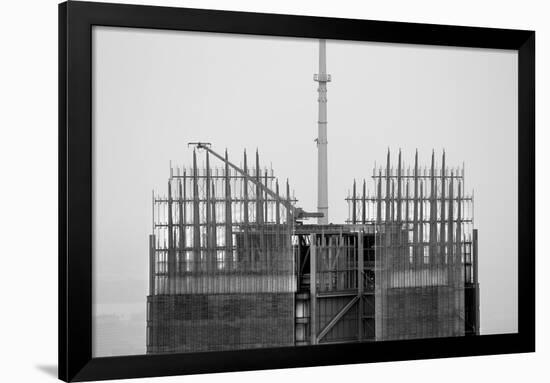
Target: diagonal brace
{"points": [[336, 318]]}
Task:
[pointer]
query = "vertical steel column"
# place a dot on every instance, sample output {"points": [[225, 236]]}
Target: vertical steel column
{"points": [[196, 217], [450, 229], [407, 223], [267, 245], [208, 251], [277, 222], [246, 234], [153, 204], [152, 271], [392, 202], [421, 225], [313, 287], [407, 197], [416, 256], [266, 199], [364, 204], [182, 213], [476, 283], [433, 213], [171, 247], [399, 188], [388, 217], [360, 284], [259, 208], [260, 252], [379, 199], [277, 205], [289, 223], [442, 225], [213, 233], [458, 251], [228, 218], [353, 205]]}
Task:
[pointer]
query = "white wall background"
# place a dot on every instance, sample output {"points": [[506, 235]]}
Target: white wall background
{"points": [[28, 195]]}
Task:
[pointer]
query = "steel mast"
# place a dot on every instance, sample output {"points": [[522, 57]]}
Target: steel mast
{"points": [[322, 173]]}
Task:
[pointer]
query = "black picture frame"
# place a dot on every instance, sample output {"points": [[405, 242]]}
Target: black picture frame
{"points": [[75, 189]]}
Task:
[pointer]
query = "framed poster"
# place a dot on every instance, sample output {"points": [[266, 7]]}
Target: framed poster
{"points": [[282, 191]]}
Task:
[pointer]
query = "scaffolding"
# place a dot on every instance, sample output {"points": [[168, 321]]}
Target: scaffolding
{"points": [[216, 232], [221, 260], [423, 248]]}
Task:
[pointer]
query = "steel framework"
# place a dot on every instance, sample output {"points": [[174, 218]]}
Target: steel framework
{"points": [[232, 265]]}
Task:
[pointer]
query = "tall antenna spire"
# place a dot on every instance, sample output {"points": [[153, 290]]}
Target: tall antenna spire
{"points": [[322, 173]]}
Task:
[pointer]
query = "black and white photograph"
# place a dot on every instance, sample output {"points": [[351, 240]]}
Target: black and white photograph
{"points": [[259, 192], [275, 191]]}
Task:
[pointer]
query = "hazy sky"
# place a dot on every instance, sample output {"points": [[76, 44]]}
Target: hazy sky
{"points": [[154, 91]]}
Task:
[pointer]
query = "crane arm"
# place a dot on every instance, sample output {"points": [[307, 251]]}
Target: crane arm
{"points": [[296, 211]]}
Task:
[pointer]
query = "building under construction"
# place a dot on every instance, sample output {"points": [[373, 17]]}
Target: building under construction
{"points": [[235, 263]]}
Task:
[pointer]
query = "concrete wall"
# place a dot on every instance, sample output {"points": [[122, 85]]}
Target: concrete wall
{"points": [[201, 322]]}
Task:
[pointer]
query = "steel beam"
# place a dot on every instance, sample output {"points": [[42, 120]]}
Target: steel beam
{"points": [[152, 271], [476, 283], [360, 284], [313, 287]]}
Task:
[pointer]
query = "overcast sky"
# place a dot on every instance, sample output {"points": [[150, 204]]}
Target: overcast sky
{"points": [[154, 91]]}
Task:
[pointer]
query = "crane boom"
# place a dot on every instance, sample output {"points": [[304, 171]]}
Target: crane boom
{"points": [[297, 213]]}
